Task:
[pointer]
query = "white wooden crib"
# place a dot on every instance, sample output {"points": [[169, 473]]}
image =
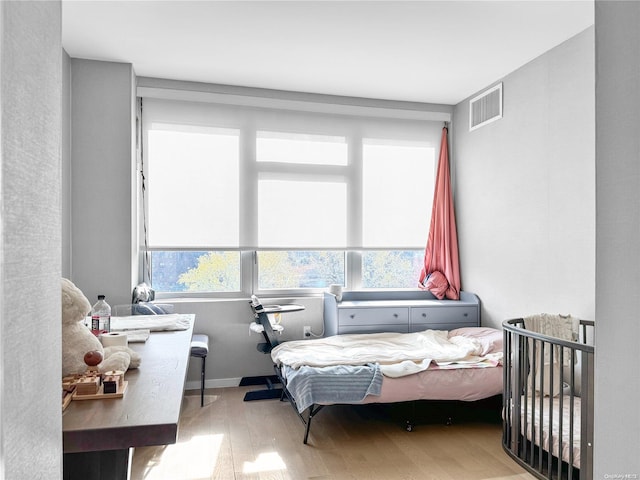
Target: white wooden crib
{"points": [[548, 401]]}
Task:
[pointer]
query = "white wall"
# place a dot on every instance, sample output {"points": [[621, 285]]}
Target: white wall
{"points": [[525, 190], [617, 383], [30, 230]]}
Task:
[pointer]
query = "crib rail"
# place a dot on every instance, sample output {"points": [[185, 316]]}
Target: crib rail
{"points": [[548, 401]]}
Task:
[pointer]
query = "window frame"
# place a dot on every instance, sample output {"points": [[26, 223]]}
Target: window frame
{"points": [[251, 170]]}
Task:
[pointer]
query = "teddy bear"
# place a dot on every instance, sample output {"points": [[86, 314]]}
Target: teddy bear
{"points": [[77, 339]]}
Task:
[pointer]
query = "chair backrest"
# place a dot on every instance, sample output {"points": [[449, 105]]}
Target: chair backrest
{"points": [[269, 335], [263, 319]]}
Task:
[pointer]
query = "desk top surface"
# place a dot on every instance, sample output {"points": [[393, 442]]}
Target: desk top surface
{"points": [[148, 413]]}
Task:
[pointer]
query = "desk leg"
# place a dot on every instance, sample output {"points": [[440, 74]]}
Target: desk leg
{"points": [[103, 465]]}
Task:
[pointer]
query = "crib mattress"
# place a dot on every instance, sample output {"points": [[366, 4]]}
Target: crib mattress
{"points": [[533, 422]]}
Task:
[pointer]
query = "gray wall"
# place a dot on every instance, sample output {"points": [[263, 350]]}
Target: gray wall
{"points": [[525, 190], [66, 165], [617, 413], [30, 86], [103, 219]]}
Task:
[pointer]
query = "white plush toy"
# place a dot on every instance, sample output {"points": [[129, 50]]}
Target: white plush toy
{"points": [[77, 339]]}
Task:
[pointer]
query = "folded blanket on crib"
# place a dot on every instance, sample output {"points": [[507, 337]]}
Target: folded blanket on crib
{"points": [[398, 354], [563, 327], [335, 384]]}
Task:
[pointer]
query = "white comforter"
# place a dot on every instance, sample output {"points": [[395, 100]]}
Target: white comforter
{"points": [[398, 354]]}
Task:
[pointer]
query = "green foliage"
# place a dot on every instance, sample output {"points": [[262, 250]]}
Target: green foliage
{"points": [[390, 269], [300, 269], [275, 271], [220, 271], [216, 272]]}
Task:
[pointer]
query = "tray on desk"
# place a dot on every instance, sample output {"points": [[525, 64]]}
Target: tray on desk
{"points": [[70, 392], [119, 393]]}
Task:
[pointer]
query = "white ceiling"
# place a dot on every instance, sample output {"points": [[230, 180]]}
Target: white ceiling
{"points": [[424, 51]]}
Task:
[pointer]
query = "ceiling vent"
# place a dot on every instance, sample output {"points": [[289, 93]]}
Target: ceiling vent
{"points": [[486, 107]]}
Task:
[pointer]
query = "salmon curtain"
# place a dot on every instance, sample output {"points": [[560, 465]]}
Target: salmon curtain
{"points": [[441, 270]]}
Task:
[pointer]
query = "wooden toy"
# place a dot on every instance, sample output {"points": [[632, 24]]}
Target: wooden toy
{"points": [[92, 385], [68, 389], [110, 385]]}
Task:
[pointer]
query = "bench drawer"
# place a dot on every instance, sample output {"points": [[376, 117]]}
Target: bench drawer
{"points": [[346, 329], [373, 316], [457, 316]]}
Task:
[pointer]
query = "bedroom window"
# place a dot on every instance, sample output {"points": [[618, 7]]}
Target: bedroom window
{"points": [[243, 200], [195, 271], [391, 268], [192, 171], [398, 181], [301, 213]]}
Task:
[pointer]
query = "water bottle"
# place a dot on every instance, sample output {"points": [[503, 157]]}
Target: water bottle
{"points": [[101, 316]]}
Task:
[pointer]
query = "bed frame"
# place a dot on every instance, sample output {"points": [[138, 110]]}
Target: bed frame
{"points": [[312, 411], [536, 434], [440, 411], [271, 341]]}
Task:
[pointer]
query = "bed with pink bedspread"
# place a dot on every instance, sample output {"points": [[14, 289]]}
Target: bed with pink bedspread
{"points": [[460, 365]]}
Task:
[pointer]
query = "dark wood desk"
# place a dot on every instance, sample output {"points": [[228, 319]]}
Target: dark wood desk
{"points": [[98, 435]]}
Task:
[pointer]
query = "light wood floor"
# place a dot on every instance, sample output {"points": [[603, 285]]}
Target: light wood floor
{"points": [[229, 439]]}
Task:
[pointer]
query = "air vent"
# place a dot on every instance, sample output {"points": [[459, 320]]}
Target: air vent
{"points": [[486, 107]]}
